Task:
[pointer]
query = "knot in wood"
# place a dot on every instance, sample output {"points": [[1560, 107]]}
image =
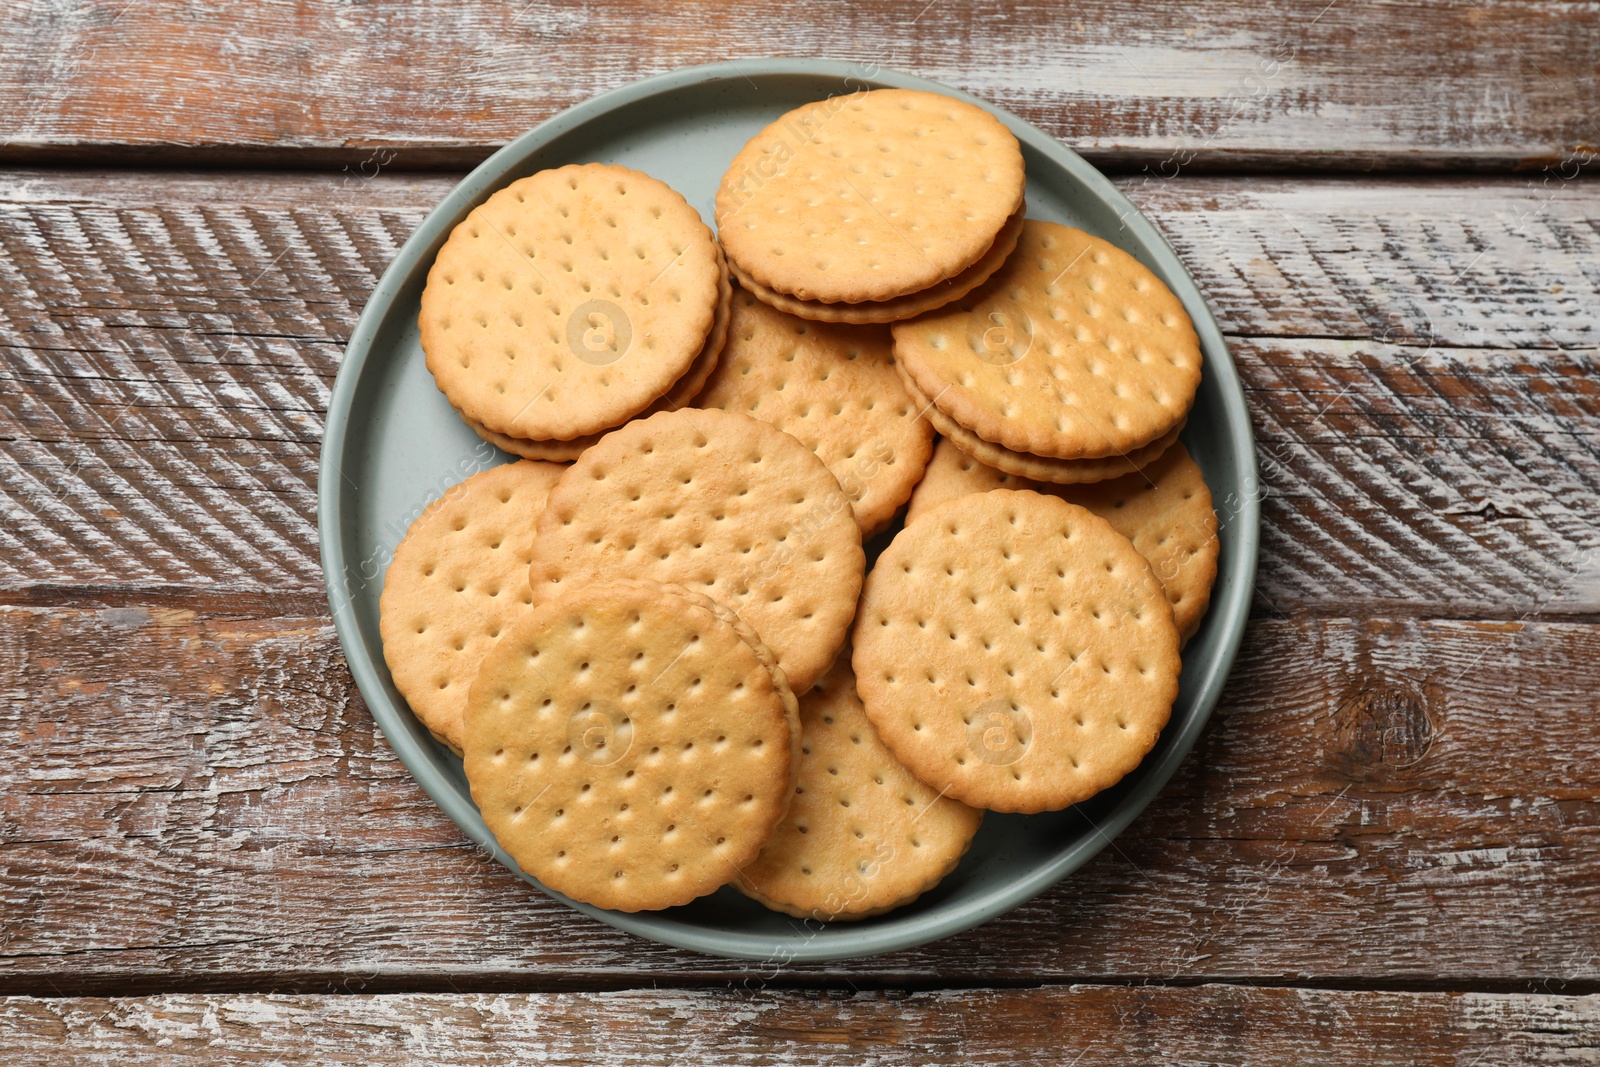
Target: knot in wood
{"points": [[1384, 726]]}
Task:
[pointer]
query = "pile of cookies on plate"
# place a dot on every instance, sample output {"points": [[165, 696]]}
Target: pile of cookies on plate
{"points": [[802, 570]]}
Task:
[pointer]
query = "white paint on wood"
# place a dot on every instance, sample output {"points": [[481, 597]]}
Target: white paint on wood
{"points": [[203, 795], [1084, 1025], [1503, 82], [1421, 386]]}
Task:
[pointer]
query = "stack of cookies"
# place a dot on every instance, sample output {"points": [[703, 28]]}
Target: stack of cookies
{"points": [[570, 302], [1074, 364], [662, 659], [872, 207]]}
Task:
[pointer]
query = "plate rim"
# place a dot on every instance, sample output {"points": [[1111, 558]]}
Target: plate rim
{"points": [[1230, 611]]}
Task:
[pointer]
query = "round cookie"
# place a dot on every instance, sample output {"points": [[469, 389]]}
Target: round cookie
{"points": [[834, 388], [1165, 510], [1039, 468], [902, 307], [1072, 350], [721, 503], [952, 473], [458, 579], [1015, 652], [629, 746], [863, 836], [683, 391], [569, 301], [869, 196]]}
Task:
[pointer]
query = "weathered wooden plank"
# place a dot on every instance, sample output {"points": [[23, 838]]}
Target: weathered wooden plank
{"points": [[1084, 1025], [1433, 264], [1170, 86], [1418, 357], [201, 802]]}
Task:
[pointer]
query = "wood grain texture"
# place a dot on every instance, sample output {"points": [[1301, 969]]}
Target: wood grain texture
{"points": [[1207, 83], [1083, 1025], [201, 802], [1419, 360]]}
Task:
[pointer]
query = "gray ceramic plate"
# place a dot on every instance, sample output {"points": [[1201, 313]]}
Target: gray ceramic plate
{"points": [[393, 444]]}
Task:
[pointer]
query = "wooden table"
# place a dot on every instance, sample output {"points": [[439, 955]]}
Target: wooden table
{"points": [[1386, 847]]}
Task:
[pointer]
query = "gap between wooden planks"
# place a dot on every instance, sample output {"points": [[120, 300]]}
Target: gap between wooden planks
{"points": [[1207, 83], [202, 802], [1419, 359]]}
